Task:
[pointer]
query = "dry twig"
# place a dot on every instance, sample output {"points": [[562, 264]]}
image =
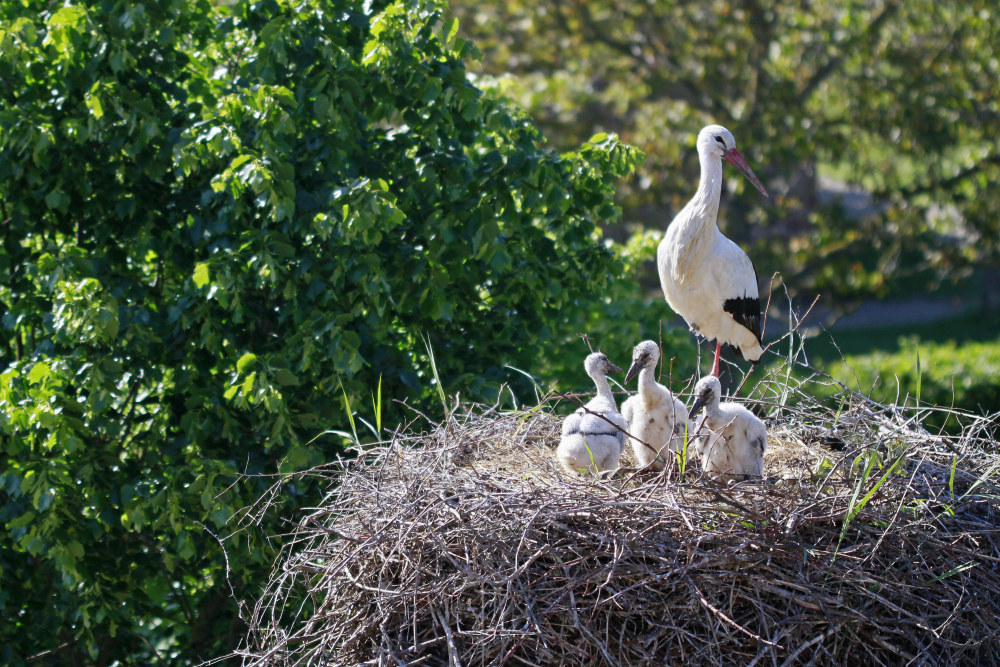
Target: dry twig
{"points": [[469, 546]]}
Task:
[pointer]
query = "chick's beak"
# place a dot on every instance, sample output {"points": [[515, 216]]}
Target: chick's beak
{"points": [[734, 158], [633, 371], [698, 405], [614, 369]]}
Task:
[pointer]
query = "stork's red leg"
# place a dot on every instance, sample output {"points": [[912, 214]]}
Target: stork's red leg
{"points": [[715, 366]]}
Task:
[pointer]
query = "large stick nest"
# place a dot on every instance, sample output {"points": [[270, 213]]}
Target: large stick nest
{"points": [[469, 546]]}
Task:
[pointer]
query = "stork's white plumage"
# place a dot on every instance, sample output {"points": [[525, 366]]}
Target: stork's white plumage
{"points": [[588, 441], [734, 443], [706, 278], [654, 415]]}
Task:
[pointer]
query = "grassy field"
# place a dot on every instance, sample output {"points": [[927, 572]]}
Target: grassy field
{"points": [[976, 327], [948, 363]]}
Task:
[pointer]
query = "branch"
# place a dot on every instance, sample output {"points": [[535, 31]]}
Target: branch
{"points": [[50, 651], [763, 33], [832, 65], [694, 94], [768, 347], [725, 618], [128, 418], [947, 183]]}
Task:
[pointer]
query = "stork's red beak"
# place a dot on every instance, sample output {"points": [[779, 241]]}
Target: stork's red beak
{"points": [[735, 159]]}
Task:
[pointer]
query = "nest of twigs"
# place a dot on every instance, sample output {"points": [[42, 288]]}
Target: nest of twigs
{"points": [[868, 542]]}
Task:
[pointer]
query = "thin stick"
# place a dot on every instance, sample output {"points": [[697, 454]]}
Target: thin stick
{"points": [[660, 375], [725, 618]]}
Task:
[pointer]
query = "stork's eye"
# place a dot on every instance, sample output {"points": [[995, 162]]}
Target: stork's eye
{"points": [[719, 139]]}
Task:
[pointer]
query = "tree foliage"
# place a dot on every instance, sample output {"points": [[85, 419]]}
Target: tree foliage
{"points": [[223, 229], [614, 320], [897, 97]]}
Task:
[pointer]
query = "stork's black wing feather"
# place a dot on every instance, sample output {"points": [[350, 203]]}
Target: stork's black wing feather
{"points": [[746, 311]]}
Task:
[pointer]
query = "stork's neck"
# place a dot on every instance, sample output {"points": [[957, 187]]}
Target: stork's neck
{"points": [[603, 388], [647, 382], [694, 228], [709, 191]]}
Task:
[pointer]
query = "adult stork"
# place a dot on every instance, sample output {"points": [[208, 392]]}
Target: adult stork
{"points": [[707, 279]]}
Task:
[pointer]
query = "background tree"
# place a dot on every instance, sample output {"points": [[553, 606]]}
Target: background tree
{"points": [[223, 229], [897, 97]]}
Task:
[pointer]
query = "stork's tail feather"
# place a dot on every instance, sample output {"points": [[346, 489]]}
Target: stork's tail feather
{"points": [[745, 356]]}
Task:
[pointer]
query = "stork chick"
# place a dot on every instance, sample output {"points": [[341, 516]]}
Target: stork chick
{"points": [[589, 442], [654, 415], [734, 446], [706, 278]]}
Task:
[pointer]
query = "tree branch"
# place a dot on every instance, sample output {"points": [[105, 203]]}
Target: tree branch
{"points": [[834, 63], [947, 183], [693, 95], [763, 34]]}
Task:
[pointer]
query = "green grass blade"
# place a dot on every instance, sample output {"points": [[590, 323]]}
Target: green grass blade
{"points": [[868, 496], [350, 413], [369, 425], [684, 452], [378, 408], [854, 499], [538, 389], [592, 461], [437, 378], [961, 568], [951, 477], [982, 478]]}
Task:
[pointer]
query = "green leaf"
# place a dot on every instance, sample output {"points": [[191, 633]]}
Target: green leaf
{"points": [[286, 377], [285, 96], [93, 103], [201, 277], [322, 105], [245, 362], [67, 17], [248, 384], [107, 319], [38, 372], [432, 90], [187, 549], [239, 161], [54, 199]]}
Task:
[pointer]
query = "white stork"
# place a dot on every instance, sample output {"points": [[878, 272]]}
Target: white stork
{"points": [[588, 441], [707, 279], [736, 439], [654, 415]]}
